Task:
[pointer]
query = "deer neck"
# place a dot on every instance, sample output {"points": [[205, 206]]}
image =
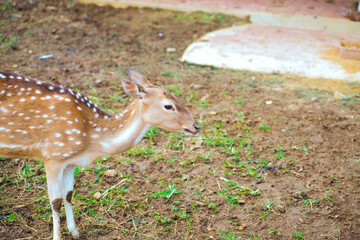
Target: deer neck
{"points": [[129, 128]]}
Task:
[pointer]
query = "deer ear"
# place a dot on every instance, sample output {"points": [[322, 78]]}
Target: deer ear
{"points": [[132, 89], [138, 78]]}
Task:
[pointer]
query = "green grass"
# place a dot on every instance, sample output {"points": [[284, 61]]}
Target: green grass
{"points": [[228, 236], [6, 43], [264, 127], [268, 206], [5, 5], [297, 235], [239, 101]]}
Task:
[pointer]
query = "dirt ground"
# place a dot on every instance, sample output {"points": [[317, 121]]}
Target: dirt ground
{"points": [[275, 159]]}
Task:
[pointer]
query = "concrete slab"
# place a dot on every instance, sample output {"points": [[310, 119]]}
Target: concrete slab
{"points": [[260, 48]]}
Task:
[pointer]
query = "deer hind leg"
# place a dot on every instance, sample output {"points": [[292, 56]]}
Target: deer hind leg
{"points": [[68, 187], [54, 176]]}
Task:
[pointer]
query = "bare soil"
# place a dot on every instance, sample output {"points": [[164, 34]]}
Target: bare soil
{"points": [[275, 159]]}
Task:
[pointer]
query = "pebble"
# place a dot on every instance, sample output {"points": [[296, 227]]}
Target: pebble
{"points": [[242, 227], [212, 113], [268, 102], [97, 195], [280, 209], [170, 49], [339, 96], [111, 173]]}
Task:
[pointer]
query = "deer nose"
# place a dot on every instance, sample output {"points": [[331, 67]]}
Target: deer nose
{"points": [[197, 127]]}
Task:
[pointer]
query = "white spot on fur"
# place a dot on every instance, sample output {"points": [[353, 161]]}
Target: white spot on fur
{"points": [[60, 144]]}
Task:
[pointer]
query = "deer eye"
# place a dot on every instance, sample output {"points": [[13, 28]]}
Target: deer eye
{"points": [[168, 107]]}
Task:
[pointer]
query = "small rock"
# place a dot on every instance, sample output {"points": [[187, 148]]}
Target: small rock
{"points": [[268, 102], [280, 209], [212, 113], [15, 66], [97, 195], [170, 49], [242, 227], [110, 173], [242, 201], [339, 96]]}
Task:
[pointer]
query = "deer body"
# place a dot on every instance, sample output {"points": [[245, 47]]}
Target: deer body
{"points": [[65, 129]]}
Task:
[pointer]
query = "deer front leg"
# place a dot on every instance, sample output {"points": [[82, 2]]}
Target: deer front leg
{"points": [[68, 187], [54, 183]]}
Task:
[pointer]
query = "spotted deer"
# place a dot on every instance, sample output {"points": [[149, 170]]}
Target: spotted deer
{"points": [[64, 129]]}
